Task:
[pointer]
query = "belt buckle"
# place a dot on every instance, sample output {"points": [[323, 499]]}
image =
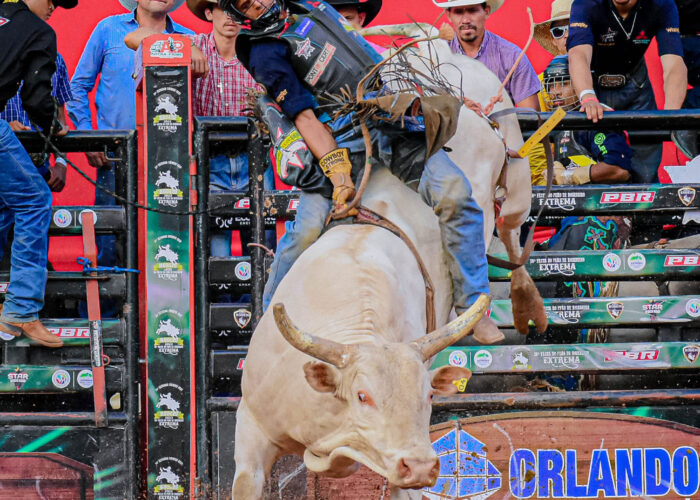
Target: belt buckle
{"points": [[612, 81]]}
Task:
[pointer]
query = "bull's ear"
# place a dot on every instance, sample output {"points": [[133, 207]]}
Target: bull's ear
{"points": [[322, 377], [448, 380]]}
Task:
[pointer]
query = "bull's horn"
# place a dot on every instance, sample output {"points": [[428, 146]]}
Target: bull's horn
{"points": [[443, 337], [411, 30], [323, 349]]}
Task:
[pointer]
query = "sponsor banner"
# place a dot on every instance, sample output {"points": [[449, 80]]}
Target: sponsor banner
{"points": [[571, 357], [568, 455], [35, 378], [77, 332], [609, 311], [566, 200], [606, 264]]}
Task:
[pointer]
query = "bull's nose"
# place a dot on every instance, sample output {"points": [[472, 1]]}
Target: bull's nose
{"points": [[417, 473]]}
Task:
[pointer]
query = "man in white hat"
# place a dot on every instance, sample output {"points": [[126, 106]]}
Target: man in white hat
{"points": [[553, 33], [106, 56]]}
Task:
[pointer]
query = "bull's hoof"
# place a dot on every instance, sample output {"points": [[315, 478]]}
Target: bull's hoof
{"points": [[486, 332], [527, 303]]}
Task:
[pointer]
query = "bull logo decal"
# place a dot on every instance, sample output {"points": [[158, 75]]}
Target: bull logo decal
{"points": [[465, 471], [686, 195], [167, 401], [167, 475], [166, 105], [166, 327], [164, 252], [166, 179]]}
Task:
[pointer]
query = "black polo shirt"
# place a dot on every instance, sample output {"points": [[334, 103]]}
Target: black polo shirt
{"points": [[619, 44], [28, 48]]}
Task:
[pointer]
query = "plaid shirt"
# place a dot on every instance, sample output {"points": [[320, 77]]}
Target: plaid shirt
{"points": [[223, 91], [61, 91]]}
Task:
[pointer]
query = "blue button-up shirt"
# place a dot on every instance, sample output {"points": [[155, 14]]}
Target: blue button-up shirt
{"points": [[106, 55], [61, 91]]}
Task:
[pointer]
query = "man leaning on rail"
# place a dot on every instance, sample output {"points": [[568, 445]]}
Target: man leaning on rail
{"points": [[305, 51], [29, 55]]}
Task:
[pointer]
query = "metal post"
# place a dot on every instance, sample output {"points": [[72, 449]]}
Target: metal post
{"points": [[256, 171], [202, 335]]}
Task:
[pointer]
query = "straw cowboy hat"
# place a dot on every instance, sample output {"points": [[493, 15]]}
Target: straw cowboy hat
{"points": [[131, 4], [370, 7], [199, 6], [446, 4], [561, 9]]}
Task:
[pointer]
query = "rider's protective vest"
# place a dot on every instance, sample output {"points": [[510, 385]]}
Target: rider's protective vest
{"points": [[567, 149], [326, 53]]}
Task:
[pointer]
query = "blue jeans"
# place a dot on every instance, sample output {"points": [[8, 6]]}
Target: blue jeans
{"points": [[25, 199], [106, 243], [231, 174], [445, 188], [637, 94]]}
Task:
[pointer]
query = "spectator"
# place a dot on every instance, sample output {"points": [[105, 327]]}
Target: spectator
{"points": [[106, 56], [18, 120], [553, 33], [689, 13], [29, 56], [359, 14], [468, 18], [608, 39], [586, 155]]}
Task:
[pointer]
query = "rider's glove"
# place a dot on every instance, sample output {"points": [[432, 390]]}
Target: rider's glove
{"points": [[337, 167], [578, 175]]}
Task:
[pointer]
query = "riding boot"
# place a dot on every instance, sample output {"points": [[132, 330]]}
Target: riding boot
{"points": [[32, 329]]}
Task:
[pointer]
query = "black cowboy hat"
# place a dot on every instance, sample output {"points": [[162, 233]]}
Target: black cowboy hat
{"points": [[370, 7]]}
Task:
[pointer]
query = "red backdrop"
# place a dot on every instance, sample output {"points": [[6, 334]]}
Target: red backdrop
{"points": [[73, 28]]}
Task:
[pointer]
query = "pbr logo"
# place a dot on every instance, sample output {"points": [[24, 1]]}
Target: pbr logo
{"points": [[304, 49], [641, 355], [4, 21], [521, 360], [243, 203], [168, 332], [168, 480], [168, 49], [686, 195], [168, 192], [465, 470], [293, 204], [241, 317], [691, 353], [168, 414], [167, 118], [682, 261], [241, 364], [71, 333], [3, 287], [615, 309], [18, 378], [614, 197]]}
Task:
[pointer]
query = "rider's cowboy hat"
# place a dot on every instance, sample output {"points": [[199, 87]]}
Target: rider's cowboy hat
{"points": [[132, 4], [370, 7], [561, 10], [446, 4], [199, 6]]}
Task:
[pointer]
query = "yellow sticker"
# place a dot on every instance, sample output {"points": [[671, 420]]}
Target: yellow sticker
{"points": [[461, 384], [542, 132]]}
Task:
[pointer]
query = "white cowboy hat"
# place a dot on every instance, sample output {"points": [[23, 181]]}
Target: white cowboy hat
{"points": [[561, 9], [446, 4], [132, 4]]}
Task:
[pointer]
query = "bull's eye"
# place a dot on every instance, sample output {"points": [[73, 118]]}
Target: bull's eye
{"points": [[365, 398]]}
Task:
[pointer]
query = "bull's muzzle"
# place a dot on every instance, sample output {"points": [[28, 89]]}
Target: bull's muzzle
{"points": [[416, 473]]}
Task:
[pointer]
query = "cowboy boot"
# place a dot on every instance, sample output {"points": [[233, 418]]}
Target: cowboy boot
{"points": [[32, 329], [486, 331]]}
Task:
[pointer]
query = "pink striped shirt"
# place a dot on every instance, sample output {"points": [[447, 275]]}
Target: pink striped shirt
{"points": [[223, 91]]}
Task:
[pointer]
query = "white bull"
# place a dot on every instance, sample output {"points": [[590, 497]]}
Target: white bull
{"points": [[366, 398], [480, 153]]}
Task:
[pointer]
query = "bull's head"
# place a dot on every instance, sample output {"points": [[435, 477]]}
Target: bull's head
{"points": [[387, 391]]}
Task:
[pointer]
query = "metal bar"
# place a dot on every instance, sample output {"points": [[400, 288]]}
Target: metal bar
{"points": [[633, 120], [223, 404], [256, 169], [78, 141], [95, 318], [63, 285], [557, 400], [131, 317], [202, 337], [86, 418], [223, 123]]}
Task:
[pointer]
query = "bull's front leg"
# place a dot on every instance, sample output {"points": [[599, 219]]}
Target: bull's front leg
{"points": [[526, 300], [254, 454]]}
